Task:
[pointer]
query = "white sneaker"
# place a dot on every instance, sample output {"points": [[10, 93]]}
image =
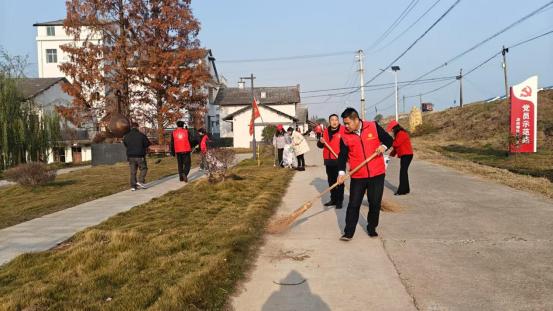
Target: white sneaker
{"points": [[133, 189], [141, 185]]}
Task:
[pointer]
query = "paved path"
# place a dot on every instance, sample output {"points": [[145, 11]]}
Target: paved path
{"points": [[464, 243], [461, 243], [46, 232], [356, 275]]}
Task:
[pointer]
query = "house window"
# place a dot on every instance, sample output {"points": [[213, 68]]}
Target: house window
{"points": [[50, 31], [51, 55]]}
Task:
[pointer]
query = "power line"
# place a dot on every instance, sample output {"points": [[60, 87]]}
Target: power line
{"points": [[410, 26], [380, 87], [487, 60], [284, 58], [377, 85], [415, 42], [393, 26]]}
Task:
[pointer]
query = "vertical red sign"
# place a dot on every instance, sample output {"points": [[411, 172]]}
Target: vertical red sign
{"points": [[524, 116]]}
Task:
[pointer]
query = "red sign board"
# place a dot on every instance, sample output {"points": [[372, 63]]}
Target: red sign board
{"points": [[524, 116]]}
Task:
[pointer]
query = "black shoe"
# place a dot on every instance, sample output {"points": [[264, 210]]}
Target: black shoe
{"points": [[185, 178], [301, 169], [329, 203], [372, 233], [339, 206], [345, 238], [181, 178]]}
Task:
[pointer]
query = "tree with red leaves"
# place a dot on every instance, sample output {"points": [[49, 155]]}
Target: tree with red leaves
{"points": [[148, 50]]}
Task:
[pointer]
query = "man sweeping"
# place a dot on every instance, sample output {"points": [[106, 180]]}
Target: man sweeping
{"points": [[360, 140], [330, 143], [181, 146]]}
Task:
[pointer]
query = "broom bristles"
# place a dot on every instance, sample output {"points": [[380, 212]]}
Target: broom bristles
{"points": [[282, 224]]}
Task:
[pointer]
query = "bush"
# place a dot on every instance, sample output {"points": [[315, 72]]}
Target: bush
{"points": [[217, 163], [425, 129], [268, 133], [30, 174]]}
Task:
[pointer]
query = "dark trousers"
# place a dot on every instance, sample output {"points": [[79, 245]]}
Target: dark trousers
{"points": [[375, 188], [183, 163], [136, 164], [301, 160], [280, 151], [403, 187], [336, 194], [203, 163]]}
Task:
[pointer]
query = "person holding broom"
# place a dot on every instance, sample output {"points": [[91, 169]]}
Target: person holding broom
{"points": [[360, 141], [204, 139], [330, 143], [403, 150]]}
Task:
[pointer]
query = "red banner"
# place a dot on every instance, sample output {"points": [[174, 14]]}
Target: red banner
{"points": [[524, 116]]}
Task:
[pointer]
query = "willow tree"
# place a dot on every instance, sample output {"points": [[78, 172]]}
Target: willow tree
{"points": [[25, 133], [147, 49]]}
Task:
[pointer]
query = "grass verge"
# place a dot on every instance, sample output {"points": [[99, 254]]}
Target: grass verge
{"points": [[183, 251], [530, 172], [19, 204]]}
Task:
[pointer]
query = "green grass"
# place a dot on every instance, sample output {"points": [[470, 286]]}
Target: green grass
{"points": [[183, 251], [19, 204]]}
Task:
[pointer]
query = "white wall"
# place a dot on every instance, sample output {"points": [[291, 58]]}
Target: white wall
{"points": [[51, 70], [242, 138]]}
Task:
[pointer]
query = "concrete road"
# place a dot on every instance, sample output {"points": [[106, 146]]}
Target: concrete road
{"points": [[459, 243], [308, 268], [464, 243]]}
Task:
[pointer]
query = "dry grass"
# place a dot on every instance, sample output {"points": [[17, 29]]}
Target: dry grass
{"points": [[475, 139], [183, 251], [20, 204], [424, 150]]}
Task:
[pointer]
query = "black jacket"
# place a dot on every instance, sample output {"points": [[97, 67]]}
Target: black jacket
{"points": [[383, 136], [331, 132], [137, 144]]}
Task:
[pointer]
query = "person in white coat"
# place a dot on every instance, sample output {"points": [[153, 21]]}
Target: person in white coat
{"points": [[299, 143]]}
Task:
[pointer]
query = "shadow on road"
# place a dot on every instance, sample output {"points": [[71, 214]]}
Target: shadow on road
{"points": [[294, 294]]}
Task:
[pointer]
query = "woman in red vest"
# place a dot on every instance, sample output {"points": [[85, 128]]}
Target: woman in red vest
{"points": [[331, 137], [403, 150], [361, 140], [204, 139]]}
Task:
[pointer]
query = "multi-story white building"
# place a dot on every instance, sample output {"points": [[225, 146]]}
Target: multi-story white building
{"points": [[52, 35]]}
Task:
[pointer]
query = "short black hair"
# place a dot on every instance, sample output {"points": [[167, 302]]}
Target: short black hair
{"points": [[135, 125], [290, 129], [333, 115], [350, 113], [202, 131], [180, 123]]}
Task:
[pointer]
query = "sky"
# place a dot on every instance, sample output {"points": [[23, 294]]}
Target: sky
{"points": [[260, 30]]}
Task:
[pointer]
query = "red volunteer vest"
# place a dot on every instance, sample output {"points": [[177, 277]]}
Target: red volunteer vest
{"points": [[203, 144], [363, 146], [334, 143], [402, 144], [180, 140]]}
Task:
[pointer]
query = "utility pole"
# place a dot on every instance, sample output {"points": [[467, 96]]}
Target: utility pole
{"points": [[360, 56], [504, 52], [254, 142], [395, 69], [460, 78], [403, 103]]}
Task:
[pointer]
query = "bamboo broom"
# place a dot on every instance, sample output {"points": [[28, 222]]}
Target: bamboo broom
{"points": [[283, 223]]}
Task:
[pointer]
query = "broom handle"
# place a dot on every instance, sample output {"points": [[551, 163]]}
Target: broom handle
{"points": [[333, 153], [351, 172]]}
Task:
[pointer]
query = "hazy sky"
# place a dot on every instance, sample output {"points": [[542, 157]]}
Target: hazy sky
{"points": [[248, 29]]}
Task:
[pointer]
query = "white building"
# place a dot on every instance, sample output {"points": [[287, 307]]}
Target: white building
{"points": [[277, 105], [50, 37], [45, 94]]}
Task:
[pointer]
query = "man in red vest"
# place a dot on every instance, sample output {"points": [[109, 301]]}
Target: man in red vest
{"points": [[359, 142], [181, 146], [204, 139], [331, 138]]}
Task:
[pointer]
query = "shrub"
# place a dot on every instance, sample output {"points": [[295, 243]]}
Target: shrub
{"points": [[425, 129], [218, 161], [30, 174], [268, 133]]}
